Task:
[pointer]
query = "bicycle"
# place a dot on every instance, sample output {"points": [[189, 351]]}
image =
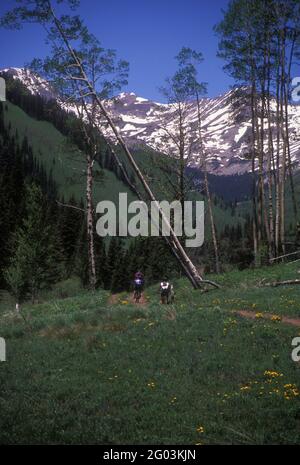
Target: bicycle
{"points": [[137, 295]]}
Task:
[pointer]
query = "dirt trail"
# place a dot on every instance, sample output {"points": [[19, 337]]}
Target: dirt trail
{"points": [[115, 299], [118, 298], [268, 316]]}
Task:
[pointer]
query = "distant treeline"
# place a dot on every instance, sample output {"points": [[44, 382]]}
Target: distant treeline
{"points": [[230, 189]]}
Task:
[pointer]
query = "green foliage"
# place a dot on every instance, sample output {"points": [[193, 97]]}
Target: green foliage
{"points": [[15, 277], [183, 85], [35, 261]]}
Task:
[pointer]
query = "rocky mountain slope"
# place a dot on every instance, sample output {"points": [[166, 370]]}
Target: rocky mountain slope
{"points": [[227, 133]]}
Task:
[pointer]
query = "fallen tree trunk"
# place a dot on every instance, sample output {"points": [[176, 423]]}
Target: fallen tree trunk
{"points": [[285, 255], [283, 283]]}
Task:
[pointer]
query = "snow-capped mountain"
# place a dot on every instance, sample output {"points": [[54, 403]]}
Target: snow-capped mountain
{"points": [[226, 133], [35, 84]]}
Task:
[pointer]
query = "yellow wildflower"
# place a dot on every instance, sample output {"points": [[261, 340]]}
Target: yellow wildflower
{"points": [[272, 374], [200, 429], [151, 384], [276, 318]]}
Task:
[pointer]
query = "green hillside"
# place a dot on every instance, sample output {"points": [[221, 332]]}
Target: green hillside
{"points": [[51, 149], [89, 370]]}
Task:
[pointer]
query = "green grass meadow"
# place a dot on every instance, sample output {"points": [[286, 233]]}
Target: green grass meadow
{"points": [[82, 370]]}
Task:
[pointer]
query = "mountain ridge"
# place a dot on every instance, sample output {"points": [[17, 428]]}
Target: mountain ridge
{"points": [[141, 121]]}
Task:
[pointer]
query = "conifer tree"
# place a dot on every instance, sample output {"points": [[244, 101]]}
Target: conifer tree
{"points": [[34, 265]]}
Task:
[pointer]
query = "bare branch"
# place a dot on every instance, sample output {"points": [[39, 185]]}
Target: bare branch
{"points": [[70, 206]]}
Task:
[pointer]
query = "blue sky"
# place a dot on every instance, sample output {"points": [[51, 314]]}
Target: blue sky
{"points": [[147, 33]]}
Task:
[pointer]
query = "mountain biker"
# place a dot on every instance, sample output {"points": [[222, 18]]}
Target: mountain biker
{"points": [[165, 290], [138, 281]]}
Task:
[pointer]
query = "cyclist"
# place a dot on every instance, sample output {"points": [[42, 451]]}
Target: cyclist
{"points": [[138, 285], [165, 289]]}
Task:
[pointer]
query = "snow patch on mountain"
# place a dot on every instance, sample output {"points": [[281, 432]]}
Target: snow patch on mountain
{"points": [[34, 83], [227, 139], [141, 121]]}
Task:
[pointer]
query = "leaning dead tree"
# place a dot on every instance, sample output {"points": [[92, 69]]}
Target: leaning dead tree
{"points": [[42, 11], [158, 225]]}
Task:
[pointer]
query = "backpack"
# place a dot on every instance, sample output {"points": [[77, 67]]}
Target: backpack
{"points": [[164, 287]]}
